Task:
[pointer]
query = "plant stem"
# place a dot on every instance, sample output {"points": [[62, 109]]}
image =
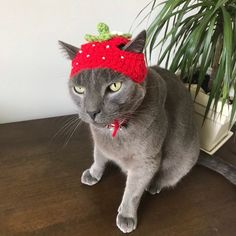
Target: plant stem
{"points": [[216, 59]]}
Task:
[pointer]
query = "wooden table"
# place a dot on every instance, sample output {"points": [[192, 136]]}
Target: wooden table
{"points": [[41, 193]]}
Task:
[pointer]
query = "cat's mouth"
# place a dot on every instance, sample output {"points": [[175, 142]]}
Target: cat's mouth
{"points": [[99, 125], [115, 123], [114, 126], [110, 120], [112, 123]]}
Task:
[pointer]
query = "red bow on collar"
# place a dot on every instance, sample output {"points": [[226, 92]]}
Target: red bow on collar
{"points": [[116, 125]]}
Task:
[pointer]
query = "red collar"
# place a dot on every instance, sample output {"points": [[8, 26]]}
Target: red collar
{"points": [[116, 125]]}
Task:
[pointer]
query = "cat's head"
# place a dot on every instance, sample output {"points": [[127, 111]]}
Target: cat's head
{"points": [[103, 95]]}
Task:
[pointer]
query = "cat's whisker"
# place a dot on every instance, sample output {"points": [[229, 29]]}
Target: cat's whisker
{"points": [[63, 119], [63, 127], [68, 133], [68, 123], [72, 133], [69, 128]]}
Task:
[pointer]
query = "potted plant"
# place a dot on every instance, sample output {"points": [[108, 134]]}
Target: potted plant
{"points": [[198, 35]]}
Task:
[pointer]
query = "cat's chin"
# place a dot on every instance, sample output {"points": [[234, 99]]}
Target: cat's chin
{"points": [[99, 125], [96, 124]]}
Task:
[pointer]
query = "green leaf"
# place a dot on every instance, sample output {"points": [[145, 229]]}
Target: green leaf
{"points": [[151, 40], [148, 15], [169, 5], [189, 26], [165, 38], [216, 84], [198, 27], [145, 7], [233, 111], [227, 45], [185, 25], [205, 60], [176, 24]]}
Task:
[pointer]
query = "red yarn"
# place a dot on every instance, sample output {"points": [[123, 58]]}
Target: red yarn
{"points": [[116, 127], [107, 54]]}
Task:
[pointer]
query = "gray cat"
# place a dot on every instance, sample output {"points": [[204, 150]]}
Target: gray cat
{"points": [[157, 143]]}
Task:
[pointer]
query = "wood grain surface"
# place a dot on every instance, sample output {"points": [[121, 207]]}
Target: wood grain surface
{"points": [[41, 193]]}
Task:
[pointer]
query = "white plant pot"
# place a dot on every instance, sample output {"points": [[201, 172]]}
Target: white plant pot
{"points": [[215, 130]]}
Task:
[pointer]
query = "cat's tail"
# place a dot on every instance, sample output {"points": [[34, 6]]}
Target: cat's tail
{"points": [[216, 164]]}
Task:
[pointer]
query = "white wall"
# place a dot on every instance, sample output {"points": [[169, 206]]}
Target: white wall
{"points": [[33, 70]]}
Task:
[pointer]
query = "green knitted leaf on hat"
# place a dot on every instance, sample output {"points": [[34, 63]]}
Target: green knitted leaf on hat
{"points": [[127, 35], [103, 28], [104, 34], [90, 38]]}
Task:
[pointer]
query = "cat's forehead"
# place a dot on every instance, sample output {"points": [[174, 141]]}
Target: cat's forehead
{"points": [[98, 76]]}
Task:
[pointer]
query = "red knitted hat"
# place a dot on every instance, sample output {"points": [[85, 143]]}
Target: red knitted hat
{"points": [[107, 54]]}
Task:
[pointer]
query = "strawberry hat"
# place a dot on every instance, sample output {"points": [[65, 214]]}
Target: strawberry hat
{"points": [[105, 51]]}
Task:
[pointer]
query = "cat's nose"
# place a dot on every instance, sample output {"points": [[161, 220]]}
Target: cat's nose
{"points": [[93, 114]]}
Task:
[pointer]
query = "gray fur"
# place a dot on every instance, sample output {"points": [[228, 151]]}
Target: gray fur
{"points": [[136, 45], [220, 166], [160, 144], [68, 49]]}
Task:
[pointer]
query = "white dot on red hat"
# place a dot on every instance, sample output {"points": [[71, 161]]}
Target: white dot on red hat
{"points": [[80, 51], [103, 58], [88, 55], [107, 46], [122, 57], [93, 45]]}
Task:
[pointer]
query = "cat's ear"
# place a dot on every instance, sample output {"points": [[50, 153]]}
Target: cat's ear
{"points": [[70, 50], [137, 44]]}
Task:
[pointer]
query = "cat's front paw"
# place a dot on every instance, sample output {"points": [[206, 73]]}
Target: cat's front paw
{"points": [[126, 224], [153, 188], [153, 191], [88, 179]]}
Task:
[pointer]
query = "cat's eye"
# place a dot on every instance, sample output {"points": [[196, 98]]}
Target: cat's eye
{"points": [[79, 89], [115, 87]]}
